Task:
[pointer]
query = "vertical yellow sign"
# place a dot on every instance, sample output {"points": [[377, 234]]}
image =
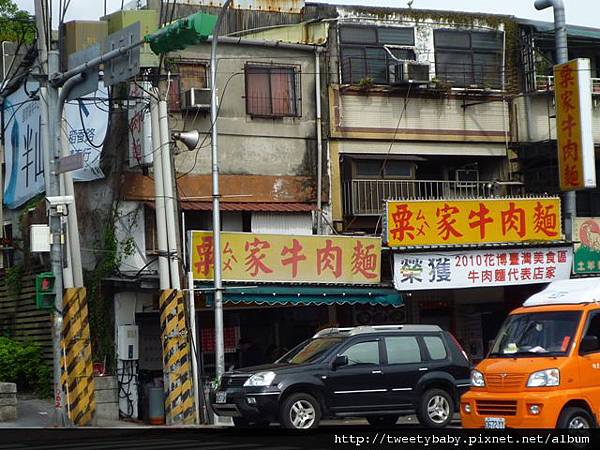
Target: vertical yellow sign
{"points": [[576, 165]]}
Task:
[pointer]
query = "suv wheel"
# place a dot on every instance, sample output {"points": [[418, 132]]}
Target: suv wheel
{"points": [[435, 409], [382, 421], [575, 418], [300, 412]]}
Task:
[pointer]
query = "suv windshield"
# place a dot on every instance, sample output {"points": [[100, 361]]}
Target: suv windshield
{"points": [[536, 334], [309, 351]]}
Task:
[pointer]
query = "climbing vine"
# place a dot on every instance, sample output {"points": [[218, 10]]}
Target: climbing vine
{"points": [[112, 251]]}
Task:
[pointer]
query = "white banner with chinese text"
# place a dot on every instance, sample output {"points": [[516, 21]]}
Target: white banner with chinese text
{"points": [[86, 122], [481, 268]]}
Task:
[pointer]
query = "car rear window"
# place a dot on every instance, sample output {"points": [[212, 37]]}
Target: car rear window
{"points": [[435, 346], [402, 350]]}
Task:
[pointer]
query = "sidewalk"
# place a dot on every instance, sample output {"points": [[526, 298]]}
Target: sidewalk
{"points": [[37, 413]]}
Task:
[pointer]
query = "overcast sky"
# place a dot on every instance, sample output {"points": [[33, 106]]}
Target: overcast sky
{"points": [[579, 12]]}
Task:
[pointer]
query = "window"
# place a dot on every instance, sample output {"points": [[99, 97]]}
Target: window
{"points": [[593, 328], [363, 353], [374, 168], [273, 91], [435, 347], [402, 350], [467, 58], [185, 76], [363, 54]]}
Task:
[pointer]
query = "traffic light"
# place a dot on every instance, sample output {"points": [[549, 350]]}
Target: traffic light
{"points": [[182, 33], [44, 290]]}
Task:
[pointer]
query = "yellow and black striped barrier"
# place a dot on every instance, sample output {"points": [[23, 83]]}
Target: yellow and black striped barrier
{"points": [[177, 354], [77, 374]]}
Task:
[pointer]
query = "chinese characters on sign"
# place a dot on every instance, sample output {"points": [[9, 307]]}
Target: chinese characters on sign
{"points": [[85, 120], [586, 259], [444, 222], [283, 258], [573, 95], [481, 268]]}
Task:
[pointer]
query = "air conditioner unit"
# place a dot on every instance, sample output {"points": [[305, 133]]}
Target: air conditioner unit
{"points": [[197, 98], [401, 72]]}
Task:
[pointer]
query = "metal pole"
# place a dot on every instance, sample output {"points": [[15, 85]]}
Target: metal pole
{"points": [[562, 56], [219, 343], [60, 417], [170, 205], [159, 201]]}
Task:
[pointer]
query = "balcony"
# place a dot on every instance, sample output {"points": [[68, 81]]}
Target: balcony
{"points": [[364, 197], [545, 83]]}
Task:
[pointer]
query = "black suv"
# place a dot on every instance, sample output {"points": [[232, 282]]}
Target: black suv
{"points": [[376, 372]]}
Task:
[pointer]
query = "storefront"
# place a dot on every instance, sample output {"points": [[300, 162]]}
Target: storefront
{"points": [[281, 289], [465, 264]]}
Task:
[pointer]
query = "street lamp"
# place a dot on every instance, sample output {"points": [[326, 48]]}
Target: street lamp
{"points": [[219, 344]]}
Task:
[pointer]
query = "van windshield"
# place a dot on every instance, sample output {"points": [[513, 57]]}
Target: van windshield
{"points": [[309, 351], [536, 334]]}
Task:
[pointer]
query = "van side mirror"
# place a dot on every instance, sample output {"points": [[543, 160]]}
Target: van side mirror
{"points": [[589, 344], [339, 360]]}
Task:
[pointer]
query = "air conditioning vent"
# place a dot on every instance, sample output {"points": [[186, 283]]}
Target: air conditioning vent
{"points": [[197, 98], [408, 72]]}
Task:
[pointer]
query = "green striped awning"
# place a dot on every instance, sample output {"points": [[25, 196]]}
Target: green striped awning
{"points": [[313, 295]]}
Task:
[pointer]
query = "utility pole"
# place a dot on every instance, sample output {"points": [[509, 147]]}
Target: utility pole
{"points": [[216, 197], [562, 56], [60, 416]]}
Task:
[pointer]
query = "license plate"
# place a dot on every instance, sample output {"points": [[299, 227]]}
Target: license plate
{"points": [[495, 423], [221, 397]]}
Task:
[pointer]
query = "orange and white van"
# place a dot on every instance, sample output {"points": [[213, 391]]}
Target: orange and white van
{"points": [[543, 370]]}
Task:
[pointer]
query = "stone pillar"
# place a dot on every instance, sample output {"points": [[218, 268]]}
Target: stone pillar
{"points": [[8, 402]]}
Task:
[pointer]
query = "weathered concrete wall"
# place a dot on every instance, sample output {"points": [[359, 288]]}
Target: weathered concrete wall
{"points": [[250, 145]]}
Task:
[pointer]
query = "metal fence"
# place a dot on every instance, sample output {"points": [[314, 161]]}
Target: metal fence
{"points": [[363, 197], [544, 83]]}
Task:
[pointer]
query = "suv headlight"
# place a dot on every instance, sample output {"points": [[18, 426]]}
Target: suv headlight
{"points": [[477, 379], [548, 377], [260, 379]]}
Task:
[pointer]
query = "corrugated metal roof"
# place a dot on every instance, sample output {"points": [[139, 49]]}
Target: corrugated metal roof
{"points": [[574, 31], [241, 206]]}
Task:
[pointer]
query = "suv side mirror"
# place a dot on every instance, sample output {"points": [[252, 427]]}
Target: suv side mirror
{"points": [[589, 344], [339, 360]]}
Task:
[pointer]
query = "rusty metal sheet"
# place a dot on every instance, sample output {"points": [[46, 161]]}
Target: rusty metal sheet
{"points": [[289, 6]]}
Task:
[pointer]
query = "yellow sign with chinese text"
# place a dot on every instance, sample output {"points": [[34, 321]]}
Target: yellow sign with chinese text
{"points": [[456, 222], [288, 258], [576, 161]]}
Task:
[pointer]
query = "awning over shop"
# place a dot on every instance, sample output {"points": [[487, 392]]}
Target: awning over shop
{"points": [[303, 295]]}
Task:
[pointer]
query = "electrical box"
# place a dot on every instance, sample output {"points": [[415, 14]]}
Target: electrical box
{"points": [[148, 19], [40, 238], [80, 34], [127, 342]]}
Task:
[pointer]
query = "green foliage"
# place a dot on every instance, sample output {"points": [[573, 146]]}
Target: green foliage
{"points": [[22, 363], [100, 308], [15, 25]]}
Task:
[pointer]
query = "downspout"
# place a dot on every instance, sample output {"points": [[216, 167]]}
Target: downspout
{"points": [[75, 277], [318, 121]]}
